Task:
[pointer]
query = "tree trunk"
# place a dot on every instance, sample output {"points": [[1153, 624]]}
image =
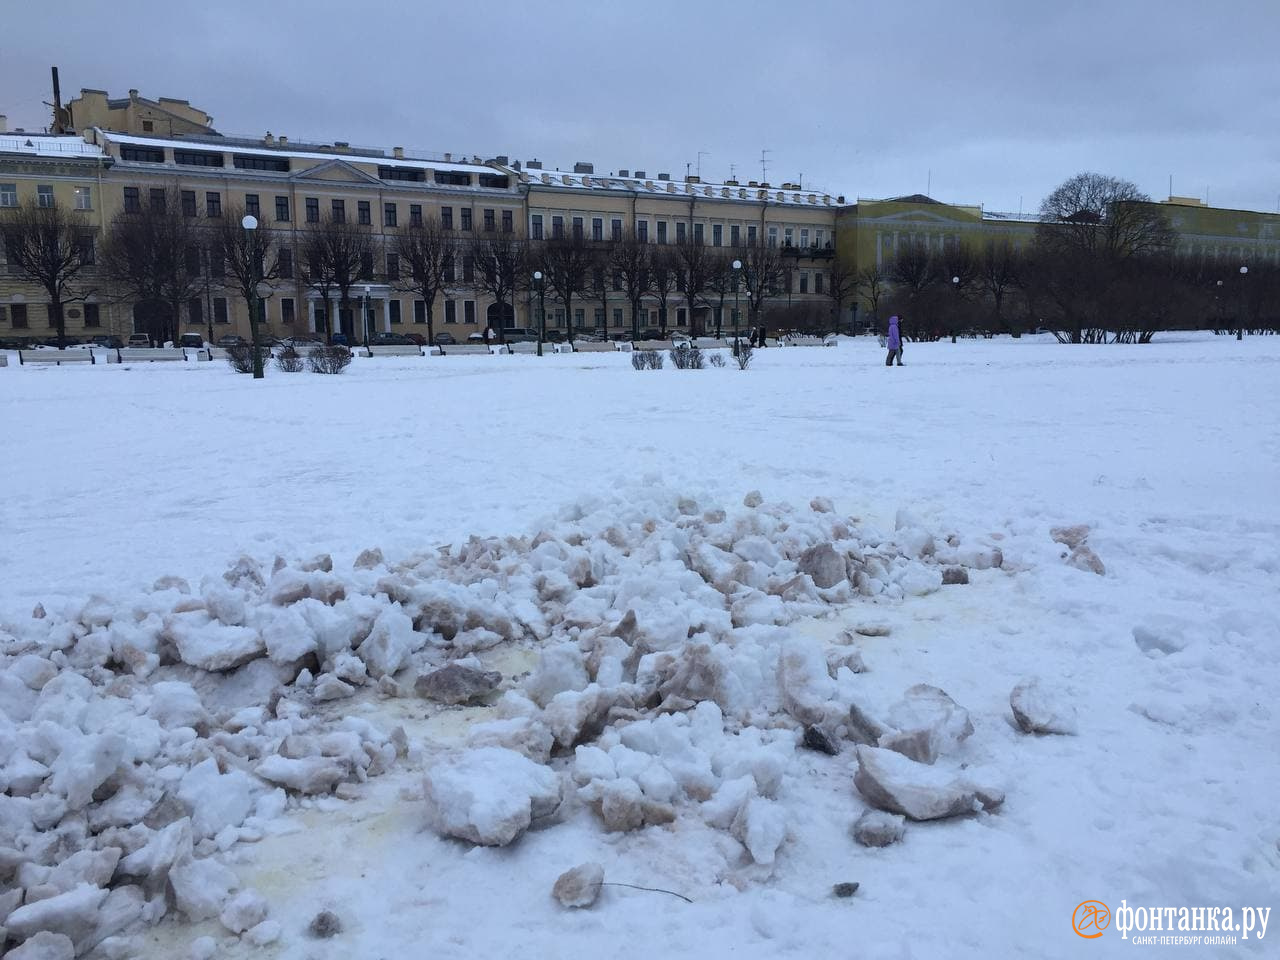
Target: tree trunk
{"points": [[253, 335], [59, 320]]}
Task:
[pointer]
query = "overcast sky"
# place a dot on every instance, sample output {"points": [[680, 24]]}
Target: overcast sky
{"points": [[984, 101]]}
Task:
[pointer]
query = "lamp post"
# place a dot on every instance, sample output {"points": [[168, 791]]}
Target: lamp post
{"points": [[955, 285], [250, 224], [1244, 271], [737, 277], [542, 309], [364, 308]]}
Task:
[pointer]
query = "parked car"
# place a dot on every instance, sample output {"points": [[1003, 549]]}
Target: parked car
{"points": [[230, 340], [555, 336], [475, 338], [139, 340], [193, 340], [110, 343], [519, 335], [445, 340], [417, 338], [391, 339], [340, 340]]}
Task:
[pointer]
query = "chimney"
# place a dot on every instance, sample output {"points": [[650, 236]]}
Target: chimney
{"points": [[692, 179], [516, 165], [133, 94], [641, 175], [4, 123], [284, 141], [502, 160], [269, 140], [398, 152], [448, 158], [840, 199], [584, 168], [731, 183], [624, 173], [533, 165], [341, 146], [753, 183], [664, 176]]}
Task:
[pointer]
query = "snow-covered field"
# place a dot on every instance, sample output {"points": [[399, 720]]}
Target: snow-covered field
{"points": [[164, 723]]}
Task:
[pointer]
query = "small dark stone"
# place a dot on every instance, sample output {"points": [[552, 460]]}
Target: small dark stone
{"points": [[955, 575], [845, 889], [326, 924], [815, 738]]}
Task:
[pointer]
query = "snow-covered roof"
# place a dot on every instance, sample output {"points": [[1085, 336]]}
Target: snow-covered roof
{"points": [[559, 179], [231, 145], [46, 145], [1013, 217]]}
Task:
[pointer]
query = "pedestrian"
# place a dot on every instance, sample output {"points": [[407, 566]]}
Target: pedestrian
{"points": [[894, 341]]}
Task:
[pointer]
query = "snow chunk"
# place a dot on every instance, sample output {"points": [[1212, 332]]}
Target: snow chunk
{"points": [[176, 704], [73, 914], [456, 683], [929, 723], [489, 796], [85, 766], [216, 800], [824, 565], [876, 828], [303, 774], [804, 680], [892, 782], [1038, 710], [580, 886], [522, 734], [201, 887], [761, 825], [210, 645], [44, 946], [246, 909], [390, 642], [559, 669]]}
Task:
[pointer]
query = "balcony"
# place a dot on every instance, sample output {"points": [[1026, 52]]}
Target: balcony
{"points": [[812, 252]]}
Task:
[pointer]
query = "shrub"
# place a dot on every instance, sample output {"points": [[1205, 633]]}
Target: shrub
{"points": [[743, 355], [329, 359], [716, 359], [686, 357], [646, 359], [241, 358], [289, 360]]}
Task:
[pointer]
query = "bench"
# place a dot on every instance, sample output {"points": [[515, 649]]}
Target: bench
{"points": [[593, 346], [4, 359], [526, 346], [711, 343], [651, 345], [149, 354], [394, 350], [465, 349], [55, 357]]}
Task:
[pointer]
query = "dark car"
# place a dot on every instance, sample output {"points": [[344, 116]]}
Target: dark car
{"points": [[110, 343], [340, 340], [445, 340], [230, 340], [555, 336], [417, 338], [393, 339], [519, 335]]}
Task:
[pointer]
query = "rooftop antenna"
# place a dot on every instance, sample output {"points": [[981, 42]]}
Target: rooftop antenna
{"points": [[688, 168], [1019, 206], [764, 165], [1171, 186], [733, 171], [928, 190], [800, 181], [701, 154]]}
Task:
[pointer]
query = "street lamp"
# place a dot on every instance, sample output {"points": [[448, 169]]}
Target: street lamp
{"points": [[955, 285], [364, 301], [737, 276], [542, 309], [1244, 271], [250, 224]]}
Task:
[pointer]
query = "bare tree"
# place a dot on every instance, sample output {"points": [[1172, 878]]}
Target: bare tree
{"points": [[499, 260], [663, 275], [873, 281], [155, 255], [693, 265], [843, 283], [721, 281], [425, 251], [339, 255], [252, 259], [566, 263], [630, 261], [763, 274], [959, 269], [999, 274], [50, 248]]}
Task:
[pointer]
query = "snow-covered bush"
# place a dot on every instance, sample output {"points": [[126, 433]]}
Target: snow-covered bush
{"points": [[646, 360], [289, 360], [686, 357], [333, 359], [241, 358], [743, 356], [716, 359]]}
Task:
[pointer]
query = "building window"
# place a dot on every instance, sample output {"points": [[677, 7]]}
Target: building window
{"points": [[195, 312], [282, 209], [817, 282], [697, 233], [788, 236], [8, 194], [490, 221], [415, 214], [338, 210], [642, 231], [468, 269], [84, 198], [393, 266], [213, 204], [597, 229], [313, 210], [615, 230], [188, 203], [446, 217], [451, 311], [508, 224], [286, 310], [804, 281], [366, 265], [455, 179], [680, 231], [220, 310], [194, 158], [446, 267], [18, 315], [91, 316], [773, 236], [402, 173], [132, 204], [557, 227], [393, 311], [818, 236], [468, 311], [88, 256], [735, 235], [804, 238], [274, 164], [389, 215], [44, 196], [577, 228], [466, 218], [285, 261], [579, 318], [141, 154], [617, 281], [419, 311], [662, 231], [751, 235], [717, 235], [617, 316], [599, 316], [251, 205], [147, 126], [156, 197], [363, 214]]}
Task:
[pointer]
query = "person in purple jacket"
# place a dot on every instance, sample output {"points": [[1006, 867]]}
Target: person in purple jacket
{"points": [[894, 342]]}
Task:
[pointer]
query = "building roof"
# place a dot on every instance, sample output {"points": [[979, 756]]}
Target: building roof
{"points": [[306, 151], [47, 145], [651, 186]]}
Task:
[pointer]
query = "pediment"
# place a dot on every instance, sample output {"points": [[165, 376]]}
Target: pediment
{"points": [[339, 171], [920, 216]]}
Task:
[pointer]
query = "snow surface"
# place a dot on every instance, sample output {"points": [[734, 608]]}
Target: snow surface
{"points": [[120, 476]]}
